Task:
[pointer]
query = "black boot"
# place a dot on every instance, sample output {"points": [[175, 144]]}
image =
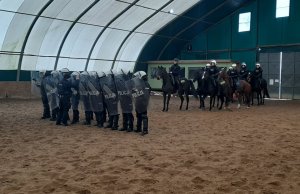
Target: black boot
{"points": [[115, 122], [125, 122], [75, 117], [138, 123], [99, 119], [145, 124], [87, 118], [130, 122]]}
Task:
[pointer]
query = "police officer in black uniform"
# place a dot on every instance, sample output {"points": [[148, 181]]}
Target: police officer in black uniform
{"points": [[175, 71], [142, 117], [213, 71], [75, 96], [233, 74], [65, 93], [243, 71], [257, 73]]}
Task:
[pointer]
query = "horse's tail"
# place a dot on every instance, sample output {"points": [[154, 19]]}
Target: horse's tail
{"points": [[194, 92], [265, 88], [266, 92]]}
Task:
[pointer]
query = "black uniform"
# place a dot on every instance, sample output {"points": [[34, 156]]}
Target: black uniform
{"points": [[233, 74], [65, 93], [213, 72], [243, 73], [142, 117], [257, 73], [75, 100], [175, 71]]}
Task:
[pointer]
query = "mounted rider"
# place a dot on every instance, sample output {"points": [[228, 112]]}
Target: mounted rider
{"points": [[243, 73], [213, 71], [233, 74], [257, 73], [175, 72]]}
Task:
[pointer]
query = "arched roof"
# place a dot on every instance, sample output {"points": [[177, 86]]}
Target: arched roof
{"points": [[95, 34]]}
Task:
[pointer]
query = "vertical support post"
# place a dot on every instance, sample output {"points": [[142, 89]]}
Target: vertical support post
{"points": [[280, 71]]}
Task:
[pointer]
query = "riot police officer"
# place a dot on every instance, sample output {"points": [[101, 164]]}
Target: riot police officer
{"points": [[141, 97], [257, 72], [64, 93], [213, 71], [243, 71], [233, 74], [41, 85], [75, 96]]}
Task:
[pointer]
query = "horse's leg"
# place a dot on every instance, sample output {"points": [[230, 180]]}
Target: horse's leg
{"points": [[258, 98], [187, 101], [168, 100], [222, 101], [264, 95], [239, 98], [202, 98], [165, 96], [181, 101], [210, 102], [252, 96], [248, 100]]}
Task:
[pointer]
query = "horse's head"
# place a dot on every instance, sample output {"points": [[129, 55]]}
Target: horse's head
{"points": [[159, 72]]}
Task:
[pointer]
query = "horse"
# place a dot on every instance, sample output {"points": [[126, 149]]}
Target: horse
{"points": [[185, 87], [243, 89], [260, 87], [225, 90], [206, 87]]}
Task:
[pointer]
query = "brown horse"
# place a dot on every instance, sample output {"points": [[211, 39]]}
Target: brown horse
{"points": [[243, 90]]}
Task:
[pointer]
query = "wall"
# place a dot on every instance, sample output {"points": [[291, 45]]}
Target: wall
{"points": [[223, 41], [15, 89]]}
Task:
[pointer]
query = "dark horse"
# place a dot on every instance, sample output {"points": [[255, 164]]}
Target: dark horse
{"points": [[225, 90], [260, 87], [206, 87], [185, 87]]}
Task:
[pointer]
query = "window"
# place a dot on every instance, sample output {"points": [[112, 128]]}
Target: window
{"points": [[282, 8], [244, 22]]}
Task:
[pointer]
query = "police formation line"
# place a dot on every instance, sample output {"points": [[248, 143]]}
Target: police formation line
{"points": [[100, 94]]}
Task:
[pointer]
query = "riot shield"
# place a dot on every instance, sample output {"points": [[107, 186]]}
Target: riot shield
{"points": [[124, 92], [95, 94], [74, 79], [84, 91], [110, 94], [50, 84], [140, 94]]}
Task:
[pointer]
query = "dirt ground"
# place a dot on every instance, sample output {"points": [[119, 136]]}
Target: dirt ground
{"points": [[254, 150]]}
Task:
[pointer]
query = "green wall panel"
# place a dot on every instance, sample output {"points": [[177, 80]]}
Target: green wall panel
{"points": [[11, 75], [243, 40], [218, 37], [249, 57]]}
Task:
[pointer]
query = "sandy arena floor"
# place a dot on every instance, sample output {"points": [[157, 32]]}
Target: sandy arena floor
{"points": [[254, 150]]}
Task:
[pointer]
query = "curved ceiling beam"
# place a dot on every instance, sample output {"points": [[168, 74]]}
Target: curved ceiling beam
{"points": [[69, 30], [141, 23], [188, 27], [103, 30], [27, 37]]}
